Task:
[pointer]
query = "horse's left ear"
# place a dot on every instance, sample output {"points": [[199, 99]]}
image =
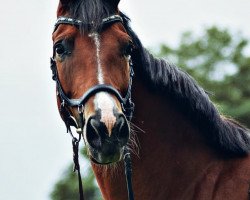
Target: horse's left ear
{"points": [[63, 7]]}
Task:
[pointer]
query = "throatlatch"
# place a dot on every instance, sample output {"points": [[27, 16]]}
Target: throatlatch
{"points": [[66, 103]]}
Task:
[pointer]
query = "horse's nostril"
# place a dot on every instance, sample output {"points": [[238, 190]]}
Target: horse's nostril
{"points": [[122, 129], [92, 134]]}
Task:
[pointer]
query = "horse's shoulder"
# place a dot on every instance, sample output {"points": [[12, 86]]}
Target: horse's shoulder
{"points": [[225, 179], [240, 167]]}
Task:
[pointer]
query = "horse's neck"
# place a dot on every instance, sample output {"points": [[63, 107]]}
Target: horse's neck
{"points": [[172, 152]]}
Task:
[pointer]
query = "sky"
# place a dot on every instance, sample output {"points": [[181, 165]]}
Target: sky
{"points": [[34, 147]]}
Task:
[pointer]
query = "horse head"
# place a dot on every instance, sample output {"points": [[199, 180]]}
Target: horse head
{"points": [[92, 68]]}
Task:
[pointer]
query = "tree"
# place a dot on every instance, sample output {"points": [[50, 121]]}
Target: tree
{"points": [[67, 187]]}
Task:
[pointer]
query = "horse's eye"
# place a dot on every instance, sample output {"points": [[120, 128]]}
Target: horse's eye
{"points": [[129, 49], [59, 49]]}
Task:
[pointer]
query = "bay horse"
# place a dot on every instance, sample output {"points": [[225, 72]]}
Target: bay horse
{"points": [[186, 151]]}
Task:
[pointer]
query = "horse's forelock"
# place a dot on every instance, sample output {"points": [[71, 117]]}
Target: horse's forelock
{"points": [[88, 11]]}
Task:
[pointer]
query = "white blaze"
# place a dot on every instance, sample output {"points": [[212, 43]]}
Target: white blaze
{"points": [[103, 101], [99, 66]]}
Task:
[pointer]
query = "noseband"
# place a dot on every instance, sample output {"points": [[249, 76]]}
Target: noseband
{"points": [[66, 102]]}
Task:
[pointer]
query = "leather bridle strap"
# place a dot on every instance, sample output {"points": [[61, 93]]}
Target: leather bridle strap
{"points": [[75, 145], [128, 173], [92, 91], [76, 22]]}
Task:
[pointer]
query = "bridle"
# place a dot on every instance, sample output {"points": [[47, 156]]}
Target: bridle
{"points": [[66, 103], [126, 102]]}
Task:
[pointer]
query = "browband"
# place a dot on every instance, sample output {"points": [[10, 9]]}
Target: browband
{"points": [[76, 22]]}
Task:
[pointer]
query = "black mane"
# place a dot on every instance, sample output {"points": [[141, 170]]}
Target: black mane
{"points": [[223, 134]]}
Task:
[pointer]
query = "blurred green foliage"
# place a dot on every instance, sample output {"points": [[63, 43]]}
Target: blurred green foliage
{"points": [[217, 61], [67, 187]]}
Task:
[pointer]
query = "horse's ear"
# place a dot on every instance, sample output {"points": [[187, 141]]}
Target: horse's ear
{"points": [[63, 7]]}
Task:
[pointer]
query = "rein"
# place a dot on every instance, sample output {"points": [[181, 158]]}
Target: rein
{"points": [[69, 120]]}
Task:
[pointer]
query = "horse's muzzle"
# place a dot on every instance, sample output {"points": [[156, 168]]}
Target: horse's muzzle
{"points": [[106, 146]]}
